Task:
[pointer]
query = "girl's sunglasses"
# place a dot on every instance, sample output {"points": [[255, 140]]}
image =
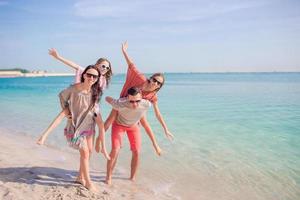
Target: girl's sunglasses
{"points": [[92, 75], [105, 67]]}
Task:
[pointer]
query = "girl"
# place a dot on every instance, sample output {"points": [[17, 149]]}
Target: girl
{"points": [[149, 88], [79, 103], [103, 66]]}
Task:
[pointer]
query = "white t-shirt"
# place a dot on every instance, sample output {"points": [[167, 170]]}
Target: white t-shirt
{"points": [[128, 116]]}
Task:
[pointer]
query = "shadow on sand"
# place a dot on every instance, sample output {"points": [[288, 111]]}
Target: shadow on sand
{"points": [[43, 176]]}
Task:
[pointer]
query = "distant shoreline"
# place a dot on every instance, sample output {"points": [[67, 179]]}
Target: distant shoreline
{"points": [[15, 74], [48, 74]]}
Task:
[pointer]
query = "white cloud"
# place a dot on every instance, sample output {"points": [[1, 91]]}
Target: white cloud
{"points": [[173, 17], [164, 10], [96, 9]]}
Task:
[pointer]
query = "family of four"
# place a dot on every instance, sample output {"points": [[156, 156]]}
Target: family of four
{"points": [[80, 105]]}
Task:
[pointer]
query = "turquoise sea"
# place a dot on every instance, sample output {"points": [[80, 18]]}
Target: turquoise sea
{"points": [[237, 135]]}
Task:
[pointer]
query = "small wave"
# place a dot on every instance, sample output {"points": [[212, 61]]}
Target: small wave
{"points": [[163, 191]]}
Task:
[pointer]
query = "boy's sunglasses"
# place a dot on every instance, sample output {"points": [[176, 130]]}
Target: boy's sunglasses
{"points": [[92, 75], [137, 101], [156, 81], [105, 67]]}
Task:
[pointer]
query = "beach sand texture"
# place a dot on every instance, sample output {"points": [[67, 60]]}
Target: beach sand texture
{"points": [[26, 173]]}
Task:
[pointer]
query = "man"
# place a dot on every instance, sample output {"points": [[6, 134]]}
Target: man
{"points": [[131, 110]]}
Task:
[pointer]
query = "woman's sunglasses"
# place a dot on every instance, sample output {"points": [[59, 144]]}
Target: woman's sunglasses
{"points": [[156, 81], [92, 75]]}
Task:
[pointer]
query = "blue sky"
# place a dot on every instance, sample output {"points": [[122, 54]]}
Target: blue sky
{"points": [[163, 35]]}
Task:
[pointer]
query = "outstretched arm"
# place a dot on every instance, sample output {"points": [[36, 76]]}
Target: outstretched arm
{"points": [[100, 142], [169, 135], [55, 54], [110, 119], [115, 103], [124, 50], [149, 132]]}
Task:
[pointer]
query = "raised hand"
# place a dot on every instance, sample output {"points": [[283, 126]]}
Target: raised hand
{"points": [[124, 46], [53, 53], [124, 51]]}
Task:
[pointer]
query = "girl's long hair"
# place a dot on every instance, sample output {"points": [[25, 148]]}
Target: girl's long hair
{"points": [[96, 89], [109, 73]]}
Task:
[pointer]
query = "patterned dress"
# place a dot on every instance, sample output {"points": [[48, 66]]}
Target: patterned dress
{"points": [[82, 123]]}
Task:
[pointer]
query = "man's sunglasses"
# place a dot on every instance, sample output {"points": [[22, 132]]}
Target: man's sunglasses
{"points": [[137, 101], [156, 81], [92, 75], [105, 67]]}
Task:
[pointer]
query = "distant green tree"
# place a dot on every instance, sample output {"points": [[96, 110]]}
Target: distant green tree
{"points": [[16, 69]]}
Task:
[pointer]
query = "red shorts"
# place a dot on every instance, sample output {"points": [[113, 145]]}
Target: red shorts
{"points": [[133, 134]]}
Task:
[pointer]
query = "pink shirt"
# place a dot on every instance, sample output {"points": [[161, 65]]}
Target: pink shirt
{"points": [[136, 79], [102, 81]]}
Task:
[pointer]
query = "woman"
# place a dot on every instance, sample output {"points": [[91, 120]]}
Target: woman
{"points": [[103, 65], [79, 103], [149, 88]]}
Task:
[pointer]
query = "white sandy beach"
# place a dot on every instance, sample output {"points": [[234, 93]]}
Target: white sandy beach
{"points": [[30, 171]]}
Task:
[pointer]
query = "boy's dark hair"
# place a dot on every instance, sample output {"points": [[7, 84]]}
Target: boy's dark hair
{"points": [[133, 91]]}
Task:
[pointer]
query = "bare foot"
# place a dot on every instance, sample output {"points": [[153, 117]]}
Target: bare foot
{"points": [[158, 150], [91, 187], [40, 141], [132, 179], [79, 181], [108, 181]]}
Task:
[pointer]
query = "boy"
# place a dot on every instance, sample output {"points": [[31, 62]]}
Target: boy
{"points": [[131, 110]]}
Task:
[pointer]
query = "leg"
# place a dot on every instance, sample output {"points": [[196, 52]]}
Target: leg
{"points": [[52, 126], [80, 179], [116, 142], [111, 164], [111, 118], [134, 164], [134, 137], [84, 163], [90, 144]]}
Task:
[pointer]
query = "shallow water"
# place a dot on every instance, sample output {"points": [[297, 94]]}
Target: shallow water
{"points": [[237, 135]]}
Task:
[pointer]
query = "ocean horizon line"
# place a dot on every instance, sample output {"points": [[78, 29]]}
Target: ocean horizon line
{"points": [[221, 72], [62, 74]]}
